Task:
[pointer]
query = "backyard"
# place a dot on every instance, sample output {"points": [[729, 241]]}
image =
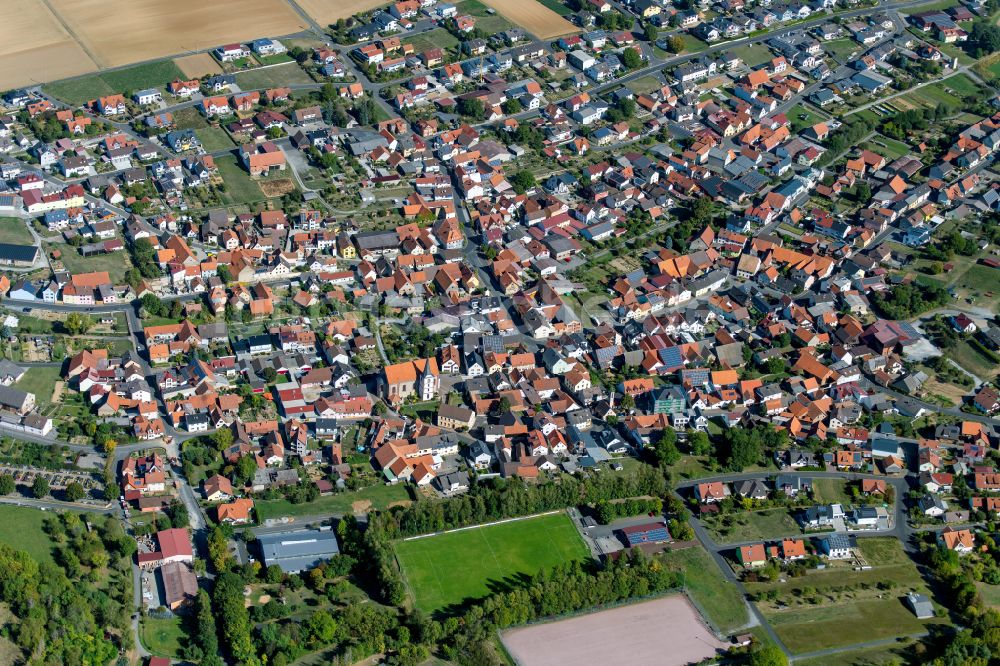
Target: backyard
{"points": [[241, 189], [40, 381], [164, 637], [115, 263], [374, 497], [839, 606], [450, 569], [751, 525]]}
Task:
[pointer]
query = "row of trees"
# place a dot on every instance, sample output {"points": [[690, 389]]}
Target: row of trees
{"points": [[496, 499]]}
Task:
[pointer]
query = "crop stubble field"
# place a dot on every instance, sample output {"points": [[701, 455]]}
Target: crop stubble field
{"points": [[326, 12], [534, 17], [39, 44], [34, 46]]}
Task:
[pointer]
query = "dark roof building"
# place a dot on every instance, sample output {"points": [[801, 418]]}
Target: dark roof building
{"points": [[298, 551]]}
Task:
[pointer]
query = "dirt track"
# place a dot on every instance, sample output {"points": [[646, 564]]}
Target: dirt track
{"points": [[662, 632]]}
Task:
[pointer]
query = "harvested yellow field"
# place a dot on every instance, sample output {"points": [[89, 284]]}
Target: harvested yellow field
{"points": [[128, 31], [326, 12], [34, 46], [198, 65], [534, 17]]}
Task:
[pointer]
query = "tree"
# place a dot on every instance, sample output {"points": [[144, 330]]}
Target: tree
{"points": [[676, 44], [472, 108], [40, 488], [246, 468], [863, 192], [522, 181], [224, 274], [650, 32], [78, 324], [7, 485], [665, 450], [222, 439], [270, 375], [767, 655], [628, 402], [631, 59], [109, 447], [512, 106], [75, 491]]}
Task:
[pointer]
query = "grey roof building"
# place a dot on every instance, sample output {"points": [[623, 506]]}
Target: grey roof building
{"points": [[299, 550]]}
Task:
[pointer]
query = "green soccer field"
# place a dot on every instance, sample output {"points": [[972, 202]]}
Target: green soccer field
{"points": [[461, 566]]}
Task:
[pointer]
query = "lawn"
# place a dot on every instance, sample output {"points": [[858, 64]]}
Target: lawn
{"points": [[839, 606], [692, 44], [719, 599], [21, 527], [841, 49], [930, 6], [887, 655], [189, 118], [831, 491], [644, 84], [976, 282], [80, 90], [376, 497], [40, 381], [752, 526], [802, 117], [272, 77], [439, 37], [163, 637], [14, 230], [115, 264], [450, 569], [972, 360], [990, 594], [214, 139], [240, 187], [753, 54], [890, 149]]}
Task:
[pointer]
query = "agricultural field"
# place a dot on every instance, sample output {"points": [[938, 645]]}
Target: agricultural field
{"points": [[14, 230], [449, 569], [81, 90], [721, 602], [598, 638], [533, 16], [839, 606], [198, 65], [35, 47], [557, 7], [325, 12], [147, 29], [751, 525]]}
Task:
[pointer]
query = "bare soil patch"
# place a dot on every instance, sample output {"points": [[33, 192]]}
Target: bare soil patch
{"points": [[277, 188], [637, 630], [326, 12], [35, 47], [198, 65], [361, 506], [534, 17], [139, 30]]}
